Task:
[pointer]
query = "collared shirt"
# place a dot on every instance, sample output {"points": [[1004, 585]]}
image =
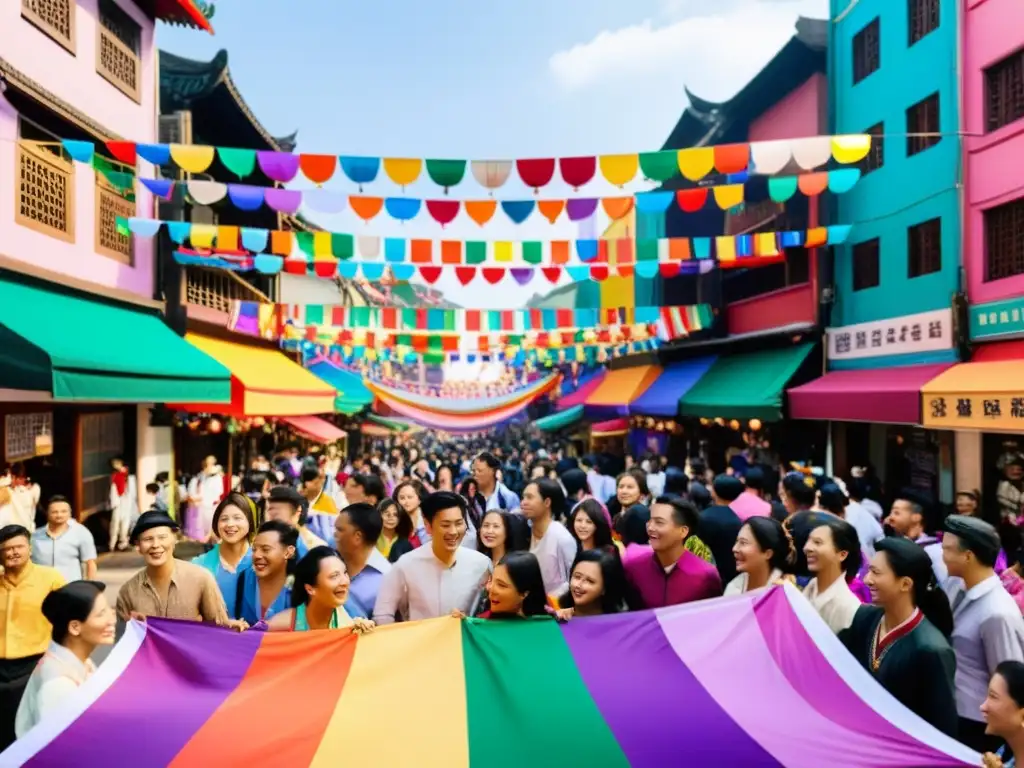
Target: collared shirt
{"points": [[419, 586], [192, 595], [748, 505], [362, 593], [56, 677], [225, 576], [502, 500], [68, 552], [738, 586], [987, 629], [26, 632], [555, 552], [933, 548], [837, 605], [251, 607]]}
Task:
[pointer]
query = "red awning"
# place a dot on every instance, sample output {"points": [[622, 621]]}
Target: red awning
{"points": [[610, 428], [315, 428]]}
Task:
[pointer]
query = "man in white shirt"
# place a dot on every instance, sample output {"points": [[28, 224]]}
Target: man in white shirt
{"points": [[550, 542], [907, 518], [439, 577], [495, 493]]}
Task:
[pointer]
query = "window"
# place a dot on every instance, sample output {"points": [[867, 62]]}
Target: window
{"points": [[1004, 240], [1004, 91], [923, 18], [45, 198], [102, 440], [924, 248], [867, 54], [27, 435], [866, 272], [875, 158], [118, 46], [55, 18], [923, 118]]}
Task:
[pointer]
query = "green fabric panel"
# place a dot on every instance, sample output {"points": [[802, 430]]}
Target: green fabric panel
{"points": [[446, 173], [433, 358], [449, 319], [404, 339], [647, 250], [397, 426], [359, 317], [588, 295], [650, 224], [305, 241], [408, 319], [745, 386], [240, 162], [533, 252], [347, 406], [49, 334], [522, 672], [314, 314], [343, 246], [659, 166], [557, 421], [476, 252], [493, 320], [781, 188], [434, 343]]}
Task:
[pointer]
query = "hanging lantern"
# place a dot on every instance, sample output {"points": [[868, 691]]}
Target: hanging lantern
{"points": [[660, 426], [214, 426], [755, 424], [704, 422], [193, 425], [720, 422], [268, 428], [734, 425], [258, 421], [650, 422], [670, 426]]}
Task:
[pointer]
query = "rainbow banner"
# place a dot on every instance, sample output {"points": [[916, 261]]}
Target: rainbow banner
{"points": [[752, 680]]}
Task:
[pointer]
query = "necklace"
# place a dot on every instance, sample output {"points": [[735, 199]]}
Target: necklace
{"points": [[881, 643]]}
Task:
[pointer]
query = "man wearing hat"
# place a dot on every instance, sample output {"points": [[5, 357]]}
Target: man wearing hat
{"points": [[168, 588], [289, 506], [987, 624]]}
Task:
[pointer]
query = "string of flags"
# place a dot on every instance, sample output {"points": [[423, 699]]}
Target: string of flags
{"points": [[763, 157], [246, 197]]}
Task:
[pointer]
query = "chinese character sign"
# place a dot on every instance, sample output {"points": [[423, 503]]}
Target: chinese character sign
{"points": [[990, 412], [924, 332]]}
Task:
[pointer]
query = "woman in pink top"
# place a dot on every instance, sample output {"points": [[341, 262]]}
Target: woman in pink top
{"points": [[750, 503]]}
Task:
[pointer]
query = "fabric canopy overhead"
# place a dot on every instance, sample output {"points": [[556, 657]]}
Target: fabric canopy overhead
{"points": [[84, 349], [264, 382], [983, 394], [315, 428], [455, 422], [392, 424], [662, 397], [620, 388], [745, 386], [583, 391], [352, 396], [468, 406], [375, 430], [559, 419], [611, 428], [881, 396], [694, 664]]}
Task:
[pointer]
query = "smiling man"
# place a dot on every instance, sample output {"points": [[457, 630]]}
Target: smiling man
{"points": [[437, 578]]}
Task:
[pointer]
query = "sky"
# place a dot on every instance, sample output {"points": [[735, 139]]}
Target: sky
{"points": [[486, 80]]}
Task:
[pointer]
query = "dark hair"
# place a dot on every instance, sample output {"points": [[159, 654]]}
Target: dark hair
{"points": [[59, 499], [370, 483], [404, 529], [795, 485], [755, 478], [908, 560], [366, 519], [632, 524], [676, 481], [727, 487], [72, 602], [288, 535], [489, 459], [602, 531], [574, 481], [9, 532], [699, 495], [844, 539], [289, 495], [416, 485], [306, 572], [683, 513], [1013, 673], [637, 474], [244, 503], [770, 534], [858, 488], [698, 466], [441, 500], [551, 490], [832, 498], [152, 488], [517, 532], [524, 571], [309, 473], [613, 597]]}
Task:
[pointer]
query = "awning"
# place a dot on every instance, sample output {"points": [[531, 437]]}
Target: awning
{"points": [[583, 391], [315, 428], [662, 397], [392, 425], [613, 428], [79, 348], [882, 396], [985, 394], [264, 382], [620, 388], [745, 386], [375, 430], [352, 396], [559, 420]]}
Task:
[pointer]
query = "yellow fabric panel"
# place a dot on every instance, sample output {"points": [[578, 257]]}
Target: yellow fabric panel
{"points": [[617, 291], [624, 385]]}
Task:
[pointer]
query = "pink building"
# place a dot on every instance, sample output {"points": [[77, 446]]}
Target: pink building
{"points": [[993, 114], [76, 292]]}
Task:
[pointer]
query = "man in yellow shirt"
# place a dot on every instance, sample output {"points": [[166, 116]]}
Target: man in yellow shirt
{"points": [[323, 512], [24, 631]]}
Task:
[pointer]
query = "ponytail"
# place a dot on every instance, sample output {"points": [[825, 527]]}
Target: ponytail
{"points": [[934, 605], [908, 560]]}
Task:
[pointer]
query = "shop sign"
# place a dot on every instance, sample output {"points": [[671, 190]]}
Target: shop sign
{"points": [[923, 332], [996, 319], [992, 412]]}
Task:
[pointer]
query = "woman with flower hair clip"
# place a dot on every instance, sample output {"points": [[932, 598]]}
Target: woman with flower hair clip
{"points": [[764, 552]]}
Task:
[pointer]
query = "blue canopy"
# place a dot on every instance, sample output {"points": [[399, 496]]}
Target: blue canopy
{"points": [[662, 397], [353, 395]]}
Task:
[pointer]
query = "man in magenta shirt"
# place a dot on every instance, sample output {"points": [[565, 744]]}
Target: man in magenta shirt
{"points": [[670, 575], [750, 503]]}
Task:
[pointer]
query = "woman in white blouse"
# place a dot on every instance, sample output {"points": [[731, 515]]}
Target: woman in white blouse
{"points": [[833, 558], [82, 619], [764, 552]]}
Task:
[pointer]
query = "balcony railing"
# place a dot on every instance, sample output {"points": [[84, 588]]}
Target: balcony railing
{"points": [[45, 201], [55, 18], [110, 204], [117, 63], [218, 290]]}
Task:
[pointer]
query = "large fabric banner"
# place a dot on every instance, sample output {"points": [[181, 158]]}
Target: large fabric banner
{"points": [[752, 680]]}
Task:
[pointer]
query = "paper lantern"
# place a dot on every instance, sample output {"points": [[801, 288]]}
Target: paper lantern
{"points": [[214, 426], [734, 425], [720, 422], [755, 424]]}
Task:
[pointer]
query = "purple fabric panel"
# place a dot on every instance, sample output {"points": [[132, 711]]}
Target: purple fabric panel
{"points": [[882, 396], [283, 200], [817, 682], [278, 166], [638, 699], [726, 651], [176, 681], [580, 208]]}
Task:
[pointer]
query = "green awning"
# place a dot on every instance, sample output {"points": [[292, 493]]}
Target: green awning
{"points": [[81, 348], [745, 386], [557, 421], [394, 426]]}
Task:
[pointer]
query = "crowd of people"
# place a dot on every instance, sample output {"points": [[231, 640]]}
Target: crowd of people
{"points": [[478, 529]]}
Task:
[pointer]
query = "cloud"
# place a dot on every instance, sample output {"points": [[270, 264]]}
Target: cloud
{"points": [[715, 51]]}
